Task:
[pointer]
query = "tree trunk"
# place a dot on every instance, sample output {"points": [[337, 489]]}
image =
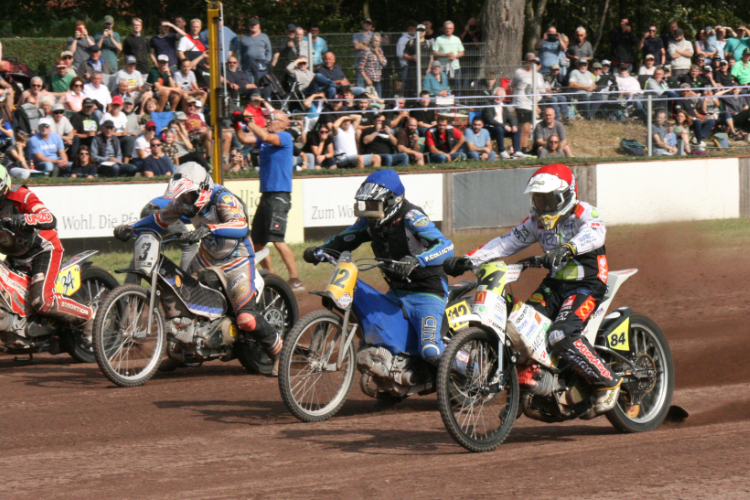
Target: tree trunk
{"points": [[600, 30], [533, 30], [502, 30]]}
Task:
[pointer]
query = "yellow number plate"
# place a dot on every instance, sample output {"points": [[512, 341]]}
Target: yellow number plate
{"points": [[455, 311], [341, 286], [619, 339], [68, 281], [491, 277]]}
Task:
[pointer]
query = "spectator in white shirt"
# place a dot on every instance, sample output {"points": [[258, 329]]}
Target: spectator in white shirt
{"points": [[98, 92], [681, 53]]}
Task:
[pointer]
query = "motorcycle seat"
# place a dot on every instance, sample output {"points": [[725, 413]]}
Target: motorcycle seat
{"points": [[209, 278], [458, 289]]}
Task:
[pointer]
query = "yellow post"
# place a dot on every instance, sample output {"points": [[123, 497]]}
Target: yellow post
{"points": [[214, 61]]}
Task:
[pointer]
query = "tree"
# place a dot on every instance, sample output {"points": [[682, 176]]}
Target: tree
{"points": [[502, 30], [535, 10]]}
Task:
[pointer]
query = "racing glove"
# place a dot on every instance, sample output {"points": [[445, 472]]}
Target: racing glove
{"points": [[406, 265], [456, 266], [197, 235], [555, 258], [123, 232], [309, 255], [15, 221]]}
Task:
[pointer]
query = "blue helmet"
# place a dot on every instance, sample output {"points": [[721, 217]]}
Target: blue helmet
{"points": [[380, 196]]}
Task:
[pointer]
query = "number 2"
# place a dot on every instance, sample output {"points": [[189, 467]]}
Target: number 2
{"points": [[341, 278]]}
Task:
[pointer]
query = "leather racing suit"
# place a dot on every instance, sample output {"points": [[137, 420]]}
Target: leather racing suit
{"points": [[35, 246], [570, 294], [228, 248], [409, 232]]}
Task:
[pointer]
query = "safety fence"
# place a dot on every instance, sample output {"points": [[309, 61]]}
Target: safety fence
{"points": [[626, 193]]}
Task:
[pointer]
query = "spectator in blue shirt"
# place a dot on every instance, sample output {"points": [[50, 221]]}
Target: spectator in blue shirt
{"points": [[549, 48], [48, 151], [227, 40], [319, 46], [157, 163], [276, 166], [436, 81], [477, 145]]}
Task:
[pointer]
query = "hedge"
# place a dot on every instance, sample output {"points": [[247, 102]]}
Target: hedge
{"points": [[39, 54]]}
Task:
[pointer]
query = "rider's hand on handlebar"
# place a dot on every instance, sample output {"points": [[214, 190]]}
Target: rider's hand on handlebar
{"points": [[309, 255], [197, 235], [456, 266], [406, 265], [555, 258], [14, 221], [123, 232]]}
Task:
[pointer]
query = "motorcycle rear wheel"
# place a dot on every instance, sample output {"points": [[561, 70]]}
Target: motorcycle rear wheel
{"points": [[95, 284], [477, 419], [651, 344], [126, 353], [305, 368]]}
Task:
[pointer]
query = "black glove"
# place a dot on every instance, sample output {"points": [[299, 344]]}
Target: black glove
{"points": [[197, 235], [310, 257], [406, 265], [456, 266], [15, 221], [555, 258], [123, 232]]}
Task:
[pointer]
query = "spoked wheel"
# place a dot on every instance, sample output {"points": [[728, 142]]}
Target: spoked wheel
{"points": [[651, 352], [279, 306], [95, 284], [126, 352], [476, 415], [311, 386]]}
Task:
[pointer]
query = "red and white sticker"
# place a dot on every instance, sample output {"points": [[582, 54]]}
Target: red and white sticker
{"points": [[603, 268]]}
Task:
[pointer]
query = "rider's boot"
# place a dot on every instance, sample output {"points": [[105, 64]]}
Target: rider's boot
{"points": [[259, 329], [606, 398]]}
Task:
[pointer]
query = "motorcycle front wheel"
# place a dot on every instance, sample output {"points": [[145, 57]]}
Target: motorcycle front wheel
{"points": [[651, 351], [311, 386], [127, 352], [475, 413]]}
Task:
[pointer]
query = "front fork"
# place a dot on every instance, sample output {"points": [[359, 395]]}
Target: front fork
{"points": [[345, 339], [154, 293]]}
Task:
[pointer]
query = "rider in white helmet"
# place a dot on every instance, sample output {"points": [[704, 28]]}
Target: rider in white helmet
{"points": [[571, 232], [221, 227]]}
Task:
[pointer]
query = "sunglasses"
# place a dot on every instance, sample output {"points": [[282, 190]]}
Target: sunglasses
{"points": [[82, 153], [58, 112], [652, 31], [153, 129], [43, 126], [156, 145], [323, 131], [554, 142], [36, 86], [77, 85]]}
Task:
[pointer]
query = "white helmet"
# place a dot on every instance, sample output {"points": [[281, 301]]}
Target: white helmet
{"points": [[191, 187], [554, 194]]}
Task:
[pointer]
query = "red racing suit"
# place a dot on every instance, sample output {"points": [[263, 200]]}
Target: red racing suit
{"points": [[570, 294], [36, 247]]}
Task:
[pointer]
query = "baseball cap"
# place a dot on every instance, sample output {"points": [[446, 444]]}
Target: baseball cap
{"points": [[190, 100], [667, 67], [179, 115], [109, 20], [163, 57], [678, 32], [108, 123], [367, 20], [723, 61], [597, 65], [128, 100], [66, 53], [253, 22], [555, 66], [606, 62], [622, 67], [89, 102], [198, 104], [291, 27], [650, 56], [117, 100], [255, 96], [708, 28], [437, 64], [61, 64], [58, 107], [130, 60], [45, 121], [707, 67], [94, 48], [150, 124], [582, 60]]}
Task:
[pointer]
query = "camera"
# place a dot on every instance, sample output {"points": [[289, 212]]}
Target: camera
{"points": [[552, 37], [240, 117]]}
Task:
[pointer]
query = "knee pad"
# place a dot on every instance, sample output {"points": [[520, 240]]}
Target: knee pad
{"points": [[430, 353], [246, 321]]}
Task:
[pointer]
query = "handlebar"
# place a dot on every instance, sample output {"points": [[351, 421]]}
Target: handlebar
{"points": [[533, 261], [379, 262]]}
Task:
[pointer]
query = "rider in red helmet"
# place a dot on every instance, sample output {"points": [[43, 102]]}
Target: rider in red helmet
{"points": [[571, 232]]}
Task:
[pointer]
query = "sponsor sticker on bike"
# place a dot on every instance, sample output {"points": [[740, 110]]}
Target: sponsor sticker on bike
{"points": [[345, 300], [462, 356]]}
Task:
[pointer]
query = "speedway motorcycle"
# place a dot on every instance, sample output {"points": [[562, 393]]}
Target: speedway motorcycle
{"points": [[188, 317], [320, 357], [480, 402], [25, 332]]}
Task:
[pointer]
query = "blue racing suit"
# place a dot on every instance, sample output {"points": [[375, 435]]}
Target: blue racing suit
{"points": [[423, 295]]}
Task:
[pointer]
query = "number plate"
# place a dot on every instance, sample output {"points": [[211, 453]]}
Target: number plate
{"points": [[456, 311], [68, 281], [491, 277], [341, 286], [619, 339], [146, 252]]}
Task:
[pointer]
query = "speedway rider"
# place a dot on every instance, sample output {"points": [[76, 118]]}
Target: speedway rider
{"points": [[571, 232], [29, 238], [401, 231], [221, 228]]}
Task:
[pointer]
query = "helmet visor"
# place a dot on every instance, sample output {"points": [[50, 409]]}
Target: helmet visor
{"points": [[546, 203], [371, 209]]}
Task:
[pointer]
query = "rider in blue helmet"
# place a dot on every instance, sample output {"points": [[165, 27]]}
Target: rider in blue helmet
{"points": [[401, 231]]}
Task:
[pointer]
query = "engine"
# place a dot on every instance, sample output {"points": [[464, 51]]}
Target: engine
{"points": [[200, 338], [400, 374]]}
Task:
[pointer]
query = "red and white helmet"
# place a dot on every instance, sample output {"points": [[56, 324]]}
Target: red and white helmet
{"points": [[191, 187], [554, 194]]}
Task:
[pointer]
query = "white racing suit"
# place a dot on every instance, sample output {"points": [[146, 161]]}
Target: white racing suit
{"points": [[570, 294], [229, 249]]}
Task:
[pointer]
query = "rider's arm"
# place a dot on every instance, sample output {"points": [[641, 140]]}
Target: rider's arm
{"points": [[158, 221], [232, 215], [349, 239], [592, 232], [36, 215], [437, 247], [519, 238]]}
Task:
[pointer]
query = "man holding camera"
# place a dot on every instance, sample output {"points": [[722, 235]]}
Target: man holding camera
{"points": [[549, 48], [623, 41], [653, 45], [109, 41], [276, 166]]}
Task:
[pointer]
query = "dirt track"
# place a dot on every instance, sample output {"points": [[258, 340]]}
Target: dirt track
{"points": [[215, 432]]}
